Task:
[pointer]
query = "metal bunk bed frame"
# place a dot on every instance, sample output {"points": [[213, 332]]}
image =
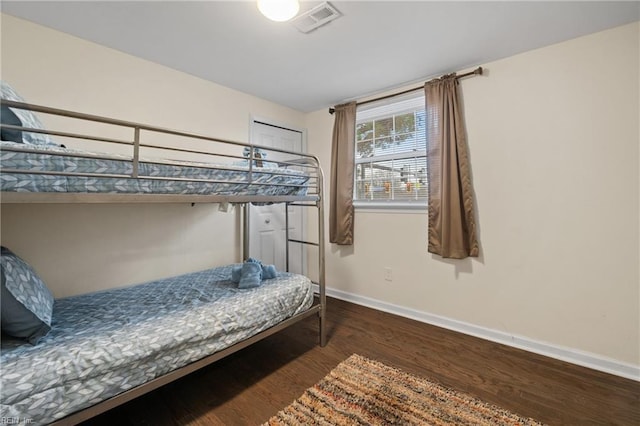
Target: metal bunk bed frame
{"points": [[309, 200]]}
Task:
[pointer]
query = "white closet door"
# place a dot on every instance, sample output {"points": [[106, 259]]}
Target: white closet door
{"points": [[267, 223]]}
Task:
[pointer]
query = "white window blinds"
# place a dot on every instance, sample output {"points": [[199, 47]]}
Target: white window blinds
{"points": [[390, 157]]}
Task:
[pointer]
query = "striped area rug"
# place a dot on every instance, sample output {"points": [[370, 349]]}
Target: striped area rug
{"points": [[360, 391]]}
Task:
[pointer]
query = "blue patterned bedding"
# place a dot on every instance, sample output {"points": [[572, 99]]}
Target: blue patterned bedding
{"points": [[105, 343], [228, 179]]}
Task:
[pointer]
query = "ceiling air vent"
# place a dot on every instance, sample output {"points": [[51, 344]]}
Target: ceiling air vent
{"points": [[318, 16]]}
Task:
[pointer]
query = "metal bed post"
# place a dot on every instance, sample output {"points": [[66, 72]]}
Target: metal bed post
{"points": [[136, 152], [321, 257], [245, 231], [246, 208], [286, 235]]}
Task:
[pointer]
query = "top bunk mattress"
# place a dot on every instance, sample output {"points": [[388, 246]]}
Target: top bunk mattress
{"points": [[53, 169], [105, 343]]}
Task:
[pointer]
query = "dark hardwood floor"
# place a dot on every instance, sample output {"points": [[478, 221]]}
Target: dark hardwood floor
{"points": [[253, 384]]}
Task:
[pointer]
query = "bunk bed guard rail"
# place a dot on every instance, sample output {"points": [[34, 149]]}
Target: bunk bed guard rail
{"points": [[215, 169]]}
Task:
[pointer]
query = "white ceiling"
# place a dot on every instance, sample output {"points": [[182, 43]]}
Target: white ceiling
{"points": [[374, 46]]}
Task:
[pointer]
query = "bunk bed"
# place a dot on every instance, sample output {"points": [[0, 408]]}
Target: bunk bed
{"points": [[102, 349]]}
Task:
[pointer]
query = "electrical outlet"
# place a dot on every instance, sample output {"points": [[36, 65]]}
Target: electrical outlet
{"points": [[388, 274]]}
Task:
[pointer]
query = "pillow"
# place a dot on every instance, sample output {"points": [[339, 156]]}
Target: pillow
{"points": [[251, 275], [27, 303], [27, 118], [7, 116]]}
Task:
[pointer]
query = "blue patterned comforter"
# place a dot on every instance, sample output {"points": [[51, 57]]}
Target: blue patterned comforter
{"points": [[104, 343], [227, 179]]}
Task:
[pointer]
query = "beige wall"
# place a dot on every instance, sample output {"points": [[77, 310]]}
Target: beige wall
{"points": [[80, 248], [554, 147]]}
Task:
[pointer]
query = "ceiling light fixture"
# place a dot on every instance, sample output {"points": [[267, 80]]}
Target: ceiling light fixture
{"points": [[279, 10]]}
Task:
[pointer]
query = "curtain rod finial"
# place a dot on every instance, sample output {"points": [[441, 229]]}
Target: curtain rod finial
{"points": [[332, 110], [478, 71]]}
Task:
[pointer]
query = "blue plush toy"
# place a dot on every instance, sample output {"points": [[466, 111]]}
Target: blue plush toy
{"points": [[269, 271], [251, 273]]}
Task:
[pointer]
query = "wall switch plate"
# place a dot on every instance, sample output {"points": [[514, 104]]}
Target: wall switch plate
{"points": [[388, 274]]}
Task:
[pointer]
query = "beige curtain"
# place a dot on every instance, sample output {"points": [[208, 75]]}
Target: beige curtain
{"points": [[452, 226], [342, 160]]}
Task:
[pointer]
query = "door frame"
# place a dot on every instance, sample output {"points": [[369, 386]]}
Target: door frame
{"points": [[303, 133]]}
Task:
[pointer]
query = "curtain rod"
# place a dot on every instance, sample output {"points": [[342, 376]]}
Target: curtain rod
{"points": [[477, 71]]}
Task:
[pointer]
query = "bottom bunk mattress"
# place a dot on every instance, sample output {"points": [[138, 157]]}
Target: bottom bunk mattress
{"points": [[105, 343]]}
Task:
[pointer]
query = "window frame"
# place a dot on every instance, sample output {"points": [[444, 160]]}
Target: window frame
{"points": [[391, 108]]}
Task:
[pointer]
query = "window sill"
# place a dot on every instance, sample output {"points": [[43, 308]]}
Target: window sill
{"points": [[382, 207]]}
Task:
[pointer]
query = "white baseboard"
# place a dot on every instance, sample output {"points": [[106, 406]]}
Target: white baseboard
{"points": [[573, 356]]}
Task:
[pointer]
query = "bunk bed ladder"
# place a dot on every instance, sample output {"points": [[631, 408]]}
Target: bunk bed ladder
{"points": [[319, 204], [320, 244]]}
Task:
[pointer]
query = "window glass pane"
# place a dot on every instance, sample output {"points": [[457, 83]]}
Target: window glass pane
{"points": [[364, 131], [412, 179], [364, 149], [363, 181], [391, 153], [383, 127], [381, 180], [384, 146], [405, 123], [405, 143], [421, 128]]}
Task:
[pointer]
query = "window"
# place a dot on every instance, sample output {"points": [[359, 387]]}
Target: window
{"points": [[391, 153]]}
